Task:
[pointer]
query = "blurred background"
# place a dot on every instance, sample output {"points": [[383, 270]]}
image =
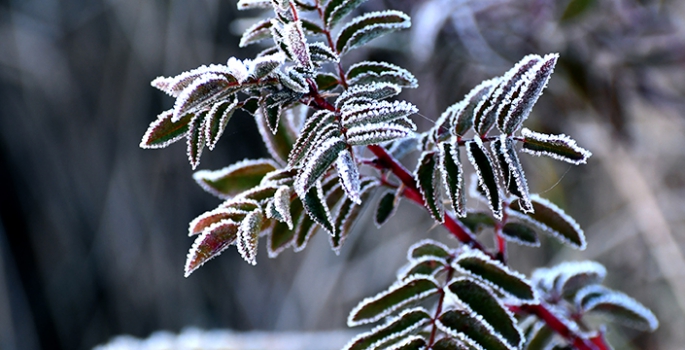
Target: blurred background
{"points": [[93, 229]]}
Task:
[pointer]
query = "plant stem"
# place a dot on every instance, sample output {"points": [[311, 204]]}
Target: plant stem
{"points": [[580, 343]]}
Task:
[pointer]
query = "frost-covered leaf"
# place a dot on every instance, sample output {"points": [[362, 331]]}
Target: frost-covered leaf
{"points": [[308, 134], [476, 221], [469, 328], [540, 337], [560, 147], [462, 113], [216, 120], [427, 176], [321, 52], [408, 322], [282, 204], [428, 247], [494, 274], [163, 132], [257, 32], [551, 219], [349, 175], [398, 295], [347, 213], [214, 240], [376, 112], [201, 94], [367, 72], [511, 171], [280, 177], [372, 134], [480, 300], [374, 91], [202, 222], [387, 206], [253, 4], [278, 144], [280, 238], [414, 342], [248, 236], [487, 180], [365, 28], [425, 265], [337, 9], [295, 81], [568, 277], [264, 65], [532, 83], [250, 105], [296, 41], [326, 81], [320, 161], [452, 175], [195, 140], [310, 27], [234, 179], [272, 109], [314, 203], [262, 194], [618, 306], [241, 204], [449, 343], [520, 233], [174, 86]]}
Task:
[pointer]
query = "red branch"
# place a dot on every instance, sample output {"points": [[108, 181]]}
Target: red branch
{"points": [[580, 343]]}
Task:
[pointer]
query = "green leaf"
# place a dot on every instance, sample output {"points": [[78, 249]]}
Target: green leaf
{"points": [[618, 306], [195, 139], [234, 179], [214, 240], [372, 92], [279, 144], [520, 233], [397, 296], [427, 179], [321, 159], [560, 147], [216, 121], [551, 219], [494, 274], [481, 301], [248, 235], [487, 180], [511, 170], [311, 129], [408, 322], [163, 132], [311, 27], [465, 326], [326, 81], [337, 9], [257, 32], [365, 28], [386, 208], [540, 337], [425, 265], [452, 175], [367, 72], [304, 230], [316, 208], [476, 221], [204, 221], [448, 343], [203, 92], [414, 342], [321, 53], [462, 114], [428, 247]]}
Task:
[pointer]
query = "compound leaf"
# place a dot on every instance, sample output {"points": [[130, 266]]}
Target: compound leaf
{"points": [[236, 178], [407, 322], [467, 327]]}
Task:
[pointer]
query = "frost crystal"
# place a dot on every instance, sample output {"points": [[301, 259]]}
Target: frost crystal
{"points": [[248, 236], [380, 111]]}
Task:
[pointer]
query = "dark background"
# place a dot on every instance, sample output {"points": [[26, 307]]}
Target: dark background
{"points": [[93, 228]]}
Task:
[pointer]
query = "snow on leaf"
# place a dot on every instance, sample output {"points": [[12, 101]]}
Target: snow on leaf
{"points": [[195, 140], [278, 144], [470, 329], [520, 233], [400, 294], [374, 91], [200, 94], [481, 301], [511, 171], [236, 178], [217, 119], [428, 247], [295, 40], [248, 236], [175, 85], [387, 206], [452, 175], [534, 82], [408, 322], [619, 307], [367, 72], [337, 9], [163, 132], [427, 178], [461, 114], [241, 204], [376, 112], [282, 204], [371, 25], [349, 174], [214, 240], [552, 220], [309, 132], [494, 274], [280, 177], [314, 203], [261, 194], [487, 180], [257, 32], [253, 4], [262, 66], [320, 161], [377, 133], [560, 147], [321, 52], [202, 222]]}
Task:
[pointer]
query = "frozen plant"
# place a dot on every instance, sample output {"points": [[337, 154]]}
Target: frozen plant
{"points": [[323, 123]]}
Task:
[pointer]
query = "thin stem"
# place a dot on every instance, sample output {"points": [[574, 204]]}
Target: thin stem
{"points": [[438, 309], [580, 343]]}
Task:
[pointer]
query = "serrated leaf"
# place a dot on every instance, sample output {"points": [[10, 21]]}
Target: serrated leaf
{"points": [[371, 134], [250, 105], [560, 147], [367, 72], [376, 112], [296, 41], [264, 65], [271, 110], [174, 86], [495, 275], [398, 295], [428, 247], [452, 176], [278, 144], [195, 140], [241, 204], [163, 132], [214, 240], [261, 194], [337, 9], [520, 233], [480, 300], [255, 33], [280, 177], [512, 171], [365, 28], [487, 180], [321, 52], [374, 91], [349, 175], [282, 204], [462, 114], [234, 179], [314, 203], [476, 221], [201, 93], [468, 328], [248, 236], [326, 81], [304, 230], [619, 307], [448, 343], [204, 221], [427, 178], [414, 342], [216, 120], [551, 219], [386, 208], [408, 322], [533, 82], [310, 131], [320, 161]]}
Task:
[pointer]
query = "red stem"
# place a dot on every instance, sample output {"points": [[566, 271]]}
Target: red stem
{"points": [[580, 343]]}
